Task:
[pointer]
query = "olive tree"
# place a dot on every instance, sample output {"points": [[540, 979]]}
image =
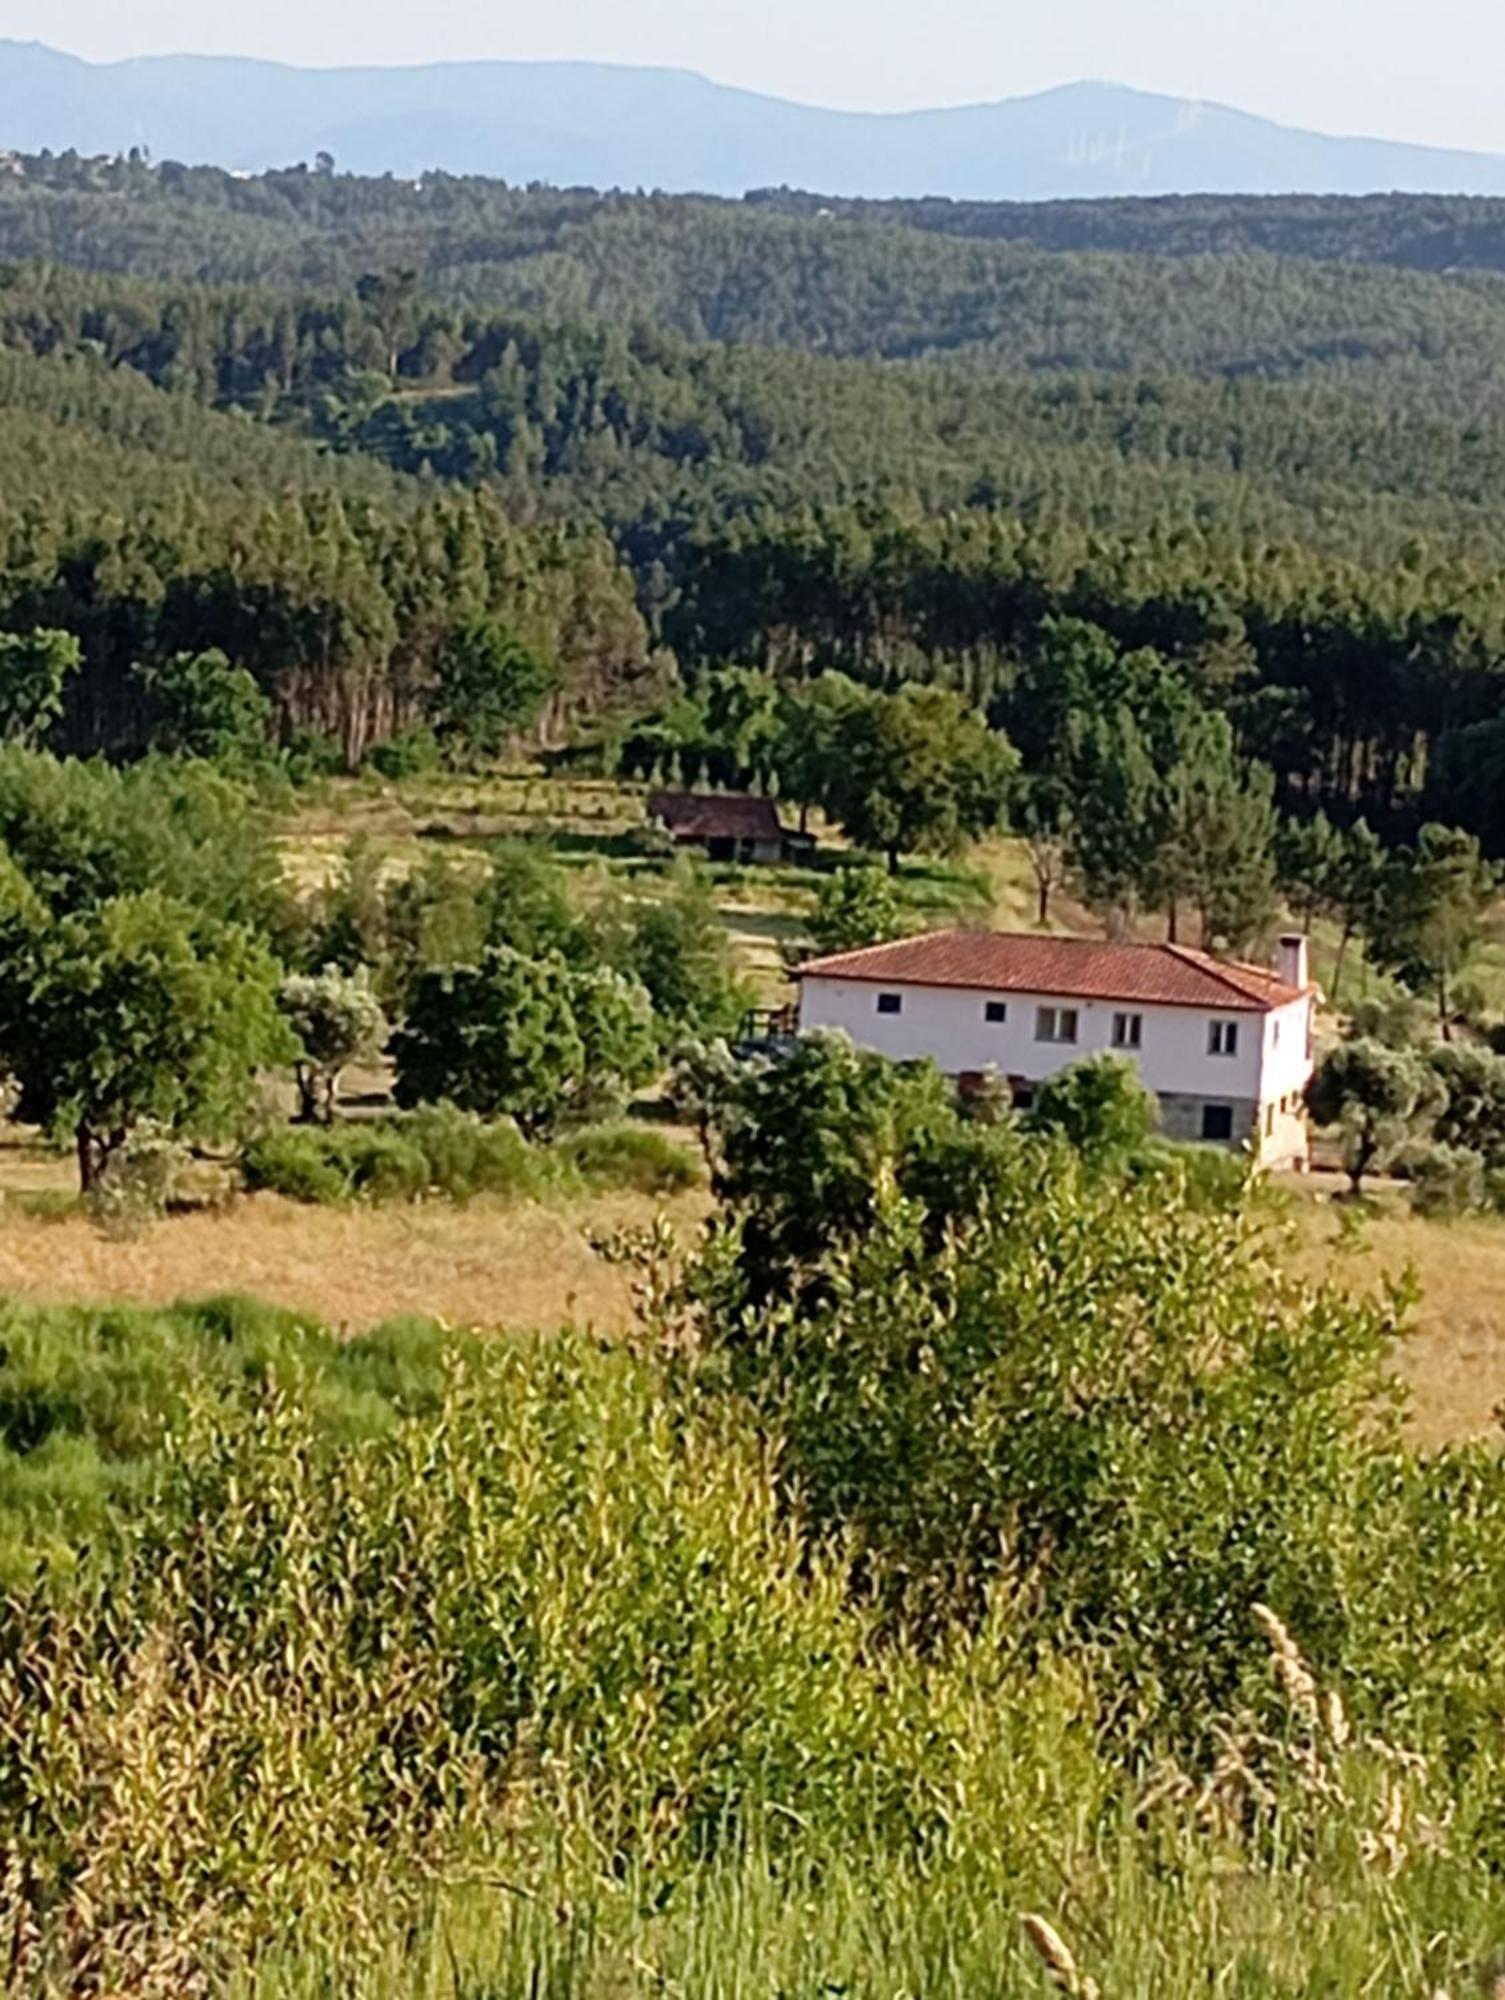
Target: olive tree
{"points": [[134, 1011], [1376, 1096], [338, 1020]]}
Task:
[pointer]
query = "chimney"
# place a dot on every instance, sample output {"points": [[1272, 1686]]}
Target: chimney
{"points": [[1291, 960]]}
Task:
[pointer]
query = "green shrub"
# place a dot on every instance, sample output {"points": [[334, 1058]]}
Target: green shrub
{"points": [[384, 1163], [412, 753], [1446, 1180], [302, 1164], [440, 1150], [629, 1156], [467, 1155]]}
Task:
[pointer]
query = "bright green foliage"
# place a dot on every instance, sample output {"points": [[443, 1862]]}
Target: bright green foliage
{"points": [[136, 1010], [1376, 1096], [488, 687], [917, 772], [83, 832], [337, 1020], [35, 669], [854, 907], [809, 1145], [498, 1038], [528, 1038], [619, 1035], [1100, 1106], [676, 945], [1430, 920], [203, 706], [1081, 1392]]}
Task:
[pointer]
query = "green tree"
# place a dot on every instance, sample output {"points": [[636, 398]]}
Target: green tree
{"points": [[488, 687], [918, 771], [618, 1033], [1472, 1114], [1218, 842], [1356, 882], [1100, 1106], [809, 1143], [676, 945], [203, 706], [1430, 921], [498, 1037], [338, 1020], [135, 1010], [855, 907], [1376, 1096], [35, 668], [1115, 825], [809, 725], [1309, 855]]}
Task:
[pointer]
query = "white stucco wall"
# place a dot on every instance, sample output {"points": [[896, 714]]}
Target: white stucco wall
{"points": [[948, 1024]]}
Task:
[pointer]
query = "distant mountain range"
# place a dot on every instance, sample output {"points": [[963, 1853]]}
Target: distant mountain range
{"points": [[592, 124]]}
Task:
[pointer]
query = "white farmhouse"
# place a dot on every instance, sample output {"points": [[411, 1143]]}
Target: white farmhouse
{"points": [[1225, 1046]]}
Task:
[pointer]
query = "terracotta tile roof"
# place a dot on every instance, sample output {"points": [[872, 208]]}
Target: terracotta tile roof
{"points": [[1161, 975], [714, 816]]}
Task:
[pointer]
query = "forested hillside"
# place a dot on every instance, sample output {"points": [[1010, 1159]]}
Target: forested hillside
{"points": [[761, 434]]}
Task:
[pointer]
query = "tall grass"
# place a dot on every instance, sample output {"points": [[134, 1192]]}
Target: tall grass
{"points": [[430, 1664]]}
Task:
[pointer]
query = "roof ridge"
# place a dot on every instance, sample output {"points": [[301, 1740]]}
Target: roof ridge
{"points": [[1217, 968]]}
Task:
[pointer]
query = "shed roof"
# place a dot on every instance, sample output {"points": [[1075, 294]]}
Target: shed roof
{"points": [[716, 815]]}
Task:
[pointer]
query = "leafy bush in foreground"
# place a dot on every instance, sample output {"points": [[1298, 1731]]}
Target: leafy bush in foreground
{"points": [[303, 1636]]}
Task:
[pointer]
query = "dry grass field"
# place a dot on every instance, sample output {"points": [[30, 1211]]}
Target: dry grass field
{"points": [[1455, 1360], [520, 1265], [527, 1264]]}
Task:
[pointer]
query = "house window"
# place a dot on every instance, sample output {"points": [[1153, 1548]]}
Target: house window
{"points": [[995, 1011], [1055, 1024], [1222, 1038], [1275, 1033], [890, 1003], [1269, 1121], [1128, 1030], [1217, 1121]]}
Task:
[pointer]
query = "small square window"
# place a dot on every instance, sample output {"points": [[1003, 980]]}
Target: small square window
{"points": [[1217, 1121], [1222, 1038], [890, 1003], [995, 1011], [1128, 1030]]}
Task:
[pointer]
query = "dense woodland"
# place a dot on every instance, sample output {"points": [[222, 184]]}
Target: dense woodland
{"points": [[316, 421]]}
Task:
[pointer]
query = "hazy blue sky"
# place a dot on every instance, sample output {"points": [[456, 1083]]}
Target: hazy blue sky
{"points": [[1407, 69]]}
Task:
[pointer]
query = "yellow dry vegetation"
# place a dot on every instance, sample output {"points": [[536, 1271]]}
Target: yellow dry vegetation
{"points": [[1455, 1359], [493, 1263]]}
